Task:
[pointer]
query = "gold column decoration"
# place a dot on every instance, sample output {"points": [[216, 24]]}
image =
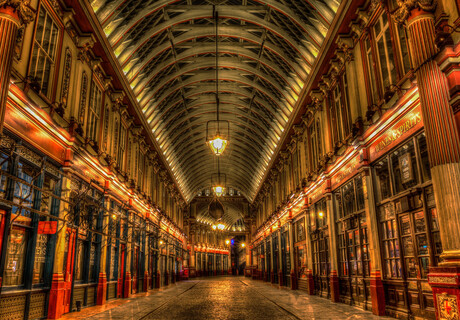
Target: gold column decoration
{"points": [[13, 14], [442, 136]]}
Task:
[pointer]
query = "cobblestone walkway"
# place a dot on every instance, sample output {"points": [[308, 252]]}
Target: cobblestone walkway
{"points": [[232, 298]]}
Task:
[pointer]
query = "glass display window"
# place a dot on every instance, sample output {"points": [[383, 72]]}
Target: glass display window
{"points": [[13, 274]]}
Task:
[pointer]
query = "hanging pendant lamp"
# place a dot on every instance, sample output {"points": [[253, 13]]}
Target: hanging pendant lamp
{"points": [[217, 131]]}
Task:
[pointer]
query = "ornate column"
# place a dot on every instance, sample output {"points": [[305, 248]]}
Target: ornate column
{"points": [[334, 278], [443, 144], [291, 253], [192, 266], [376, 284], [13, 14], [57, 297], [102, 281]]}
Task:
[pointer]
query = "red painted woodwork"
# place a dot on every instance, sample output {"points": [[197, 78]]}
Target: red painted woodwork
{"points": [[377, 294], [101, 289], [127, 287], [272, 277], [280, 277], [122, 271], [56, 306], [69, 267], [335, 291], [445, 283]]}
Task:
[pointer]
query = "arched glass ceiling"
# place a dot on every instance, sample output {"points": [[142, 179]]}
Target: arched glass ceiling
{"points": [[166, 49]]}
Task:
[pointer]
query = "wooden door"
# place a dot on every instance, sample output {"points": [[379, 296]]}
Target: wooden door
{"points": [[69, 260]]}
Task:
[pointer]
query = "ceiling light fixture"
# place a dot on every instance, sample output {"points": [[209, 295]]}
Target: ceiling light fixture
{"points": [[217, 131]]}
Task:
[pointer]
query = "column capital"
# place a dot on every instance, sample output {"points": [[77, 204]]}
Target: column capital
{"points": [[20, 8], [406, 6]]}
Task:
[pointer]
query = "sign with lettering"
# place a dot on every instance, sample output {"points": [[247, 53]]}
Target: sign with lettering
{"points": [[408, 124], [347, 171]]}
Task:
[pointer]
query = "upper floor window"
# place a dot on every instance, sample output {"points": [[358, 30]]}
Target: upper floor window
{"points": [[390, 51], [44, 52], [95, 102], [385, 53]]}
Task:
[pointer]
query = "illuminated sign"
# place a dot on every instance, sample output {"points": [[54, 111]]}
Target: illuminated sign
{"points": [[408, 124]]}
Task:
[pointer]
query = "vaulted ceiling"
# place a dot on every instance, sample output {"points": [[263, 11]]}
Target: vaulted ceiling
{"points": [[166, 49]]}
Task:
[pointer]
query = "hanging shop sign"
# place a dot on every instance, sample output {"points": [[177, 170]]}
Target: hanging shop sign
{"points": [[405, 127], [47, 227]]}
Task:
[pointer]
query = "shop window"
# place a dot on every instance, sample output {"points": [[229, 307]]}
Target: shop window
{"points": [[404, 166], [92, 276], [352, 229], [390, 243], [46, 40], [425, 163], [95, 104], [382, 174], [41, 251], [300, 230], [4, 164], [80, 261], [13, 274]]}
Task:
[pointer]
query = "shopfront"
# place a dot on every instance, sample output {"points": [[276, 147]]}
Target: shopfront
{"points": [[29, 190], [408, 226], [285, 257], [300, 253], [352, 238], [319, 241]]}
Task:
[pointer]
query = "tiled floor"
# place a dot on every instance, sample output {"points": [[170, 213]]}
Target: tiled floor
{"points": [[232, 298]]}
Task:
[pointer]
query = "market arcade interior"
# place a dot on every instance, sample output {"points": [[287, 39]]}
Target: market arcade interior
{"points": [[310, 144]]}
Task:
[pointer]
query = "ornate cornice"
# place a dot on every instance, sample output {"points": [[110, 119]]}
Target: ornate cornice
{"points": [[21, 7], [406, 6]]}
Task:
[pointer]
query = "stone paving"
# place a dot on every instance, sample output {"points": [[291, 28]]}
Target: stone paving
{"points": [[232, 298]]}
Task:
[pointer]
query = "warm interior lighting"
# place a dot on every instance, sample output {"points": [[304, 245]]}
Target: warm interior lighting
{"points": [[227, 241], [214, 227], [220, 226], [218, 190], [161, 242], [218, 145], [320, 214], [243, 245], [114, 216]]}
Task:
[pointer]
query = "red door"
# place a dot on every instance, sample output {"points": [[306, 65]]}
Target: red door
{"points": [[121, 268], [68, 267]]}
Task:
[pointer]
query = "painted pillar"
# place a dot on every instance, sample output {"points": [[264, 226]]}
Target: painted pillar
{"points": [[280, 259], [13, 14], [192, 266], [128, 250], [443, 143], [376, 284], [308, 251], [102, 281], [292, 272], [166, 275], [59, 285], [333, 277]]}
